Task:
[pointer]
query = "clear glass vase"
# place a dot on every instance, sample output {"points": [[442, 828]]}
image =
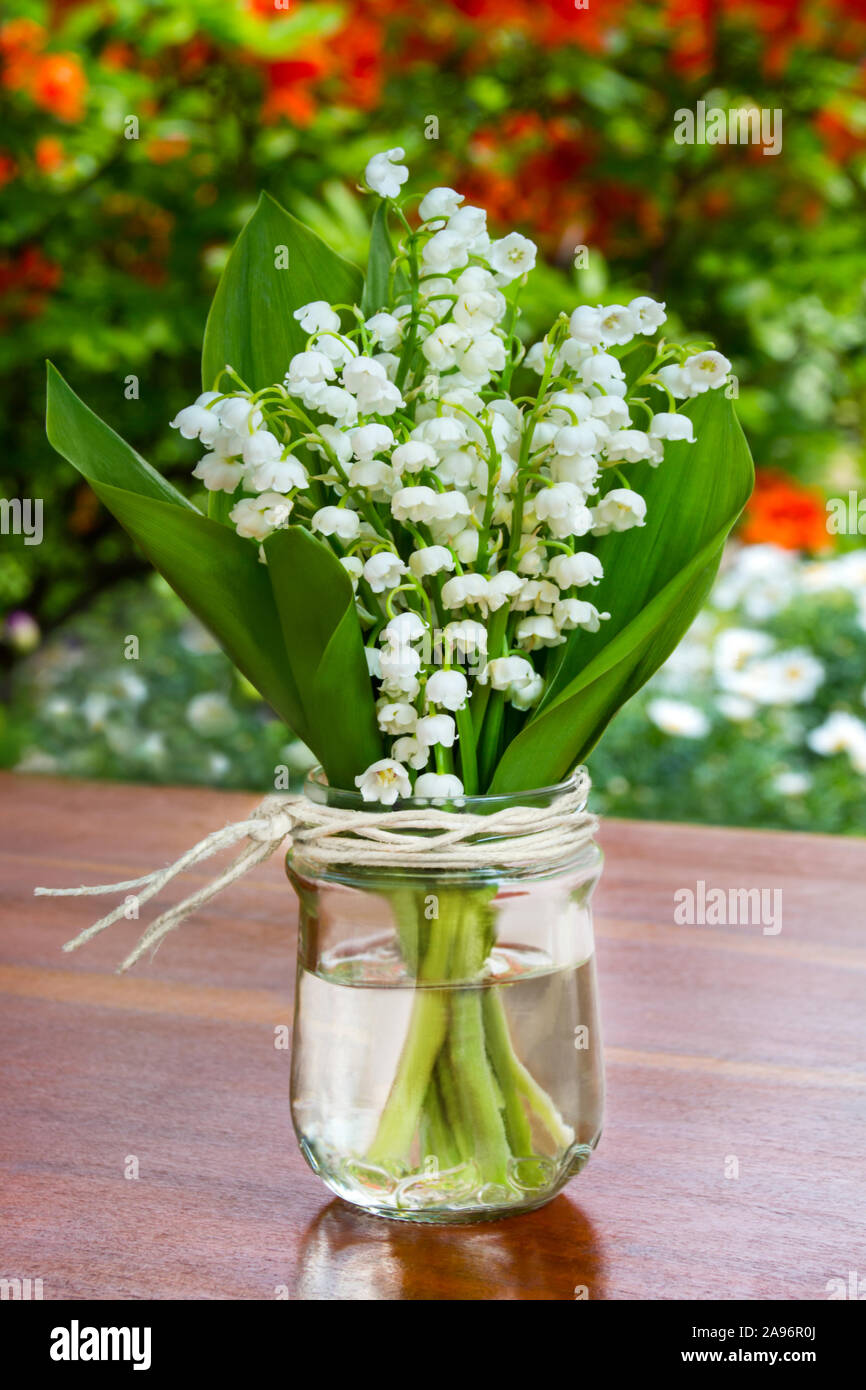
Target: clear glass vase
{"points": [[447, 1061]]}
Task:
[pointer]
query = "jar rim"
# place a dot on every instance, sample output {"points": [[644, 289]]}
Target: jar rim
{"points": [[318, 789]]}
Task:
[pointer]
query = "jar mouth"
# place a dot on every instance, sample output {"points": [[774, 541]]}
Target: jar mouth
{"points": [[318, 789]]}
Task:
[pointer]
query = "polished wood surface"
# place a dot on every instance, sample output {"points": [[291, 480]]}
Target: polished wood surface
{"points": [[723, 1044]]}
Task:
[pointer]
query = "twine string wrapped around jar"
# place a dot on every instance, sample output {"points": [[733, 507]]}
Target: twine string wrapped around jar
{"points": [[418, 837]]}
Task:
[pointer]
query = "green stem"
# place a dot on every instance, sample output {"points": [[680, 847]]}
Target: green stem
{"points": [[481, 693], [412, 328], [466, 746], [407, 906], [437, 1140], [219, 504], [448, 1092], [478, 1097], [459, 1088], [427, 1028], [505, 1065], [399, 1119], [488, 746]]}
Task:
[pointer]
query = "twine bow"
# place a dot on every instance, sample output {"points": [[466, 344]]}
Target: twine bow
{"points": [[535, 837]]}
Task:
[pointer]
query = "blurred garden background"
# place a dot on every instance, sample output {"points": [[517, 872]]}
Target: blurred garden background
{"points": [[560, 121]]}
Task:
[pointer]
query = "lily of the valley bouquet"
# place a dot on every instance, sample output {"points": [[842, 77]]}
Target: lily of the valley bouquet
{"points": [[446, 559]]}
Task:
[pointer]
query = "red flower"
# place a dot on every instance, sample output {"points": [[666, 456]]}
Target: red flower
{"points": [[54, 81], [58, 85], [19, 35], [162, 150], [8, 168], [49, 154], [783, 512], [841, 139], [290, 86], [26, 279], [117, 55], [357, 51], [295, 104]]}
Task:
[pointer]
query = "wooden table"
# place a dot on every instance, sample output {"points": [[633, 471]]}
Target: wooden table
{"points": [[723, 1043]]}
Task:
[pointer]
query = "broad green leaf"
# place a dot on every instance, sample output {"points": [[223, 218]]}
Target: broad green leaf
{"points": [[220, 579], [95, 450], [320, 627], [562, 735], [219, 505], [215, 572], [699, 489], [379, 262], [656, 578], [276, 266]]}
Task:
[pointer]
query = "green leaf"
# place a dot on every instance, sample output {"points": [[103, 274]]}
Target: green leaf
{"points": [[656, 578], [697, 491], [221, 580], [563, 734], [95, 450], [320, 627], [379, 262], [215, 572], [289, 626], [250, 325], [637, 361], [219, 505]]}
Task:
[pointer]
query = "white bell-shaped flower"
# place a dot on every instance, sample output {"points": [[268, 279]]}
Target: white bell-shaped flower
{"points": [[385, 174], [438, 786], [384, 782], [447, 688]]}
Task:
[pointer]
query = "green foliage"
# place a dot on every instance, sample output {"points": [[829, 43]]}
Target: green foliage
{"points": [[96, 451], [323, 638], [379, 261], [291, 629], [569, 139], [656, 578], [316, 677], [571, 142], [75, 712], [276, 266]]}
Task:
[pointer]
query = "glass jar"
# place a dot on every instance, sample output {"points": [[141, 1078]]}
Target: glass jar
{"points": [[447, 1061]]}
